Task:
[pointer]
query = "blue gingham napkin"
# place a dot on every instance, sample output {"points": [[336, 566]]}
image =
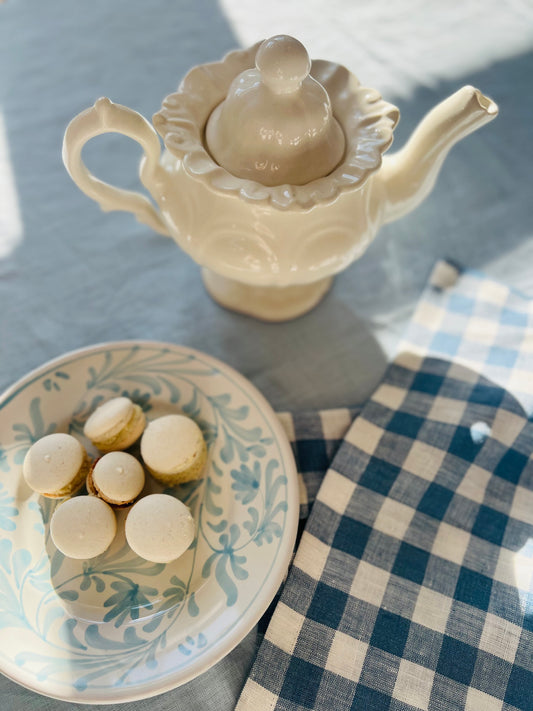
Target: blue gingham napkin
{"points": [[412, 585]]}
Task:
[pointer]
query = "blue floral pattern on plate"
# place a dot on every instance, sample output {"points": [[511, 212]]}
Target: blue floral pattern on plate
{"points": [[117, 627]]}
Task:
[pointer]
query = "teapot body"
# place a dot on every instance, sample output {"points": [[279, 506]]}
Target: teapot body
{"points": [[259, 244]]}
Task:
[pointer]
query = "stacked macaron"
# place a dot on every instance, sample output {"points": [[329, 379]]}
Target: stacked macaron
{"points": [[158, 527], [173, 449], [117, 478], [83, 527], [56, 465], [115, 425]]}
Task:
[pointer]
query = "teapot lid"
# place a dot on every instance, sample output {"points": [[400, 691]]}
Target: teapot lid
{"points": [[367, 123], [276, 124]]}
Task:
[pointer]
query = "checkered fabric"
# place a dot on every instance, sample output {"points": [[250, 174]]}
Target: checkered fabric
{"points": [[315, 438], [477, 322], [412, 585]]}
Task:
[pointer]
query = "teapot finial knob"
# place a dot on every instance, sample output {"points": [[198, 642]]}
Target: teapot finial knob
{"points": [[276, 124], [283, 63]]}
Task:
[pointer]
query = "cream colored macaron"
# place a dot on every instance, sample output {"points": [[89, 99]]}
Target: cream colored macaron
{"points": [[115, 425], [159, 528], [83, 527], [56, 465], [117, 478], [173, 449]]}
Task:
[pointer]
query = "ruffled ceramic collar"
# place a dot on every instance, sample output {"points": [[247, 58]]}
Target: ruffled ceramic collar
{"points": [[367, 121]]}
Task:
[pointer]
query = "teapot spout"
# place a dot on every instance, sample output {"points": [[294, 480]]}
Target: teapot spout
{"points": [[410, 174]]}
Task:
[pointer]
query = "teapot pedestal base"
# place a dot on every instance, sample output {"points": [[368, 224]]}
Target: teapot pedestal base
{"points": [[268, 303]]}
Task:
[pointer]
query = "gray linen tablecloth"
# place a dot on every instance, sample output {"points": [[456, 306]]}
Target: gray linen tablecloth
{"points": [[71, 276]]}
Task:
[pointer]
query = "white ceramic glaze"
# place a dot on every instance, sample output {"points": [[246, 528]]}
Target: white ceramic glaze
{"points": [[117, 627], [287, 132], [267, 241]]}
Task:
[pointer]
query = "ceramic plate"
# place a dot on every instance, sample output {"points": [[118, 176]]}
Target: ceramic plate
{"points": [[117, 627]]}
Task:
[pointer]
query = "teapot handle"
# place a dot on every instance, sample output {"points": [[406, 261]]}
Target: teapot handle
{"points": [[107, 117]]}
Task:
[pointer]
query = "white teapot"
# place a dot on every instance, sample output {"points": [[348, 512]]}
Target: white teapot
{"points": [[273, 178]]}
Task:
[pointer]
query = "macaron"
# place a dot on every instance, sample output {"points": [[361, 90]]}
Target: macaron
{"points": [[56, 465], [159, 528], [83, 527], [173, 449], [115, 425], [117, 478]]}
